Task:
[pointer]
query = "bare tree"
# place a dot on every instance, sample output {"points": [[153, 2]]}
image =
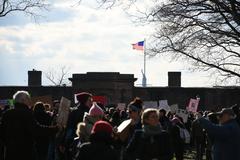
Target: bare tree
{"points": [[58, 77], [204, 33], [30, 7]]}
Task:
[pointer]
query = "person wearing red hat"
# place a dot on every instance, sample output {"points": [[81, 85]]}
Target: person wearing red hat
{"points": [[100, 145]]}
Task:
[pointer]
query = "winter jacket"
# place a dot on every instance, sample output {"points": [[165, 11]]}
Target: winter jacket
{"points": [[147, 147], [226, 144], [74, 118], [99, 147], [19, 130], [165, 122], [42, 141], [198, 134]]}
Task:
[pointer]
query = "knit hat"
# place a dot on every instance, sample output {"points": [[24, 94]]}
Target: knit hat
{"points": [[102, 127], [95, 110], [83, 97]]}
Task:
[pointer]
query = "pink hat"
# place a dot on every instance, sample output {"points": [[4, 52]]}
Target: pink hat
{"points": [[102, 126], [95, 110]]}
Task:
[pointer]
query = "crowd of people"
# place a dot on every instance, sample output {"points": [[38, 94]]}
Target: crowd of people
{"points": [[93, 132]]}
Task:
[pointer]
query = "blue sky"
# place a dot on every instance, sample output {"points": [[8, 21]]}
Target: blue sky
{"points": [[84, 39]]}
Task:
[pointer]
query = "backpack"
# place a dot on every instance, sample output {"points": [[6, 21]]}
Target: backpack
{"points": [[185, 135]]}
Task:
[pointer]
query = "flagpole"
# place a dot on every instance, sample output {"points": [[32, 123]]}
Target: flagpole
{"points": [[144, 52], [144, 80]]}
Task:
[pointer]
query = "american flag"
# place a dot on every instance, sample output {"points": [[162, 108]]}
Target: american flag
{"points": [[138, 46]]}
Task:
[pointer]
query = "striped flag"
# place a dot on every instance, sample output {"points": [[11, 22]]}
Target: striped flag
{"points": [[138, 46]]}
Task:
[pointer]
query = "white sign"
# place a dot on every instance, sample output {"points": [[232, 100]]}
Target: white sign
{"points": [[63, 112], [182, 113], [193, 105], [163, 104], [121, 106], [150, 104], [174, 108]]}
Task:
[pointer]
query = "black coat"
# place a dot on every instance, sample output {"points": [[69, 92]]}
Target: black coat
{"points": [[18, 131], [42, 141], [74, 118], [99, 147], [147, 147]]}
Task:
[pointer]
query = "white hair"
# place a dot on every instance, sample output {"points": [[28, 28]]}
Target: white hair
{"points": [[21, 97]]}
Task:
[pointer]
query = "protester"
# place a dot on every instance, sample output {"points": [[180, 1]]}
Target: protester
{"points": [[135, 111], [236, 110], [123, 115], [76, 116], [177, 140], [226, 143], [151, 142], [100, 145], [198, 136], [2, 110], [42, 141], [209, 140], [55, 140], [95, 114], [164, 120], [19, 129], [47, 107], [115, 120]]}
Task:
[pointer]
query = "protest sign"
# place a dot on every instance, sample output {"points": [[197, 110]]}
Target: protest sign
{"points": [[121, 106], [63, 112], [100, 99], [193, 105], [123, 129], [163, 104], [3, 102], [150, 104], [174, 108], [182, 113]]}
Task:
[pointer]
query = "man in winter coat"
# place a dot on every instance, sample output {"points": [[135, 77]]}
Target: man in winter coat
{"points": [[19, 128], [76, 116], [226, 142], [198, 136]]}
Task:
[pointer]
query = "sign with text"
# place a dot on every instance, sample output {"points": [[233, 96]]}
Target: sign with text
{"points": [[100, 99], [182, 113], [193, 105], [174, 108], [150, 104], [163, 104], [63, 112], [121, 106]]}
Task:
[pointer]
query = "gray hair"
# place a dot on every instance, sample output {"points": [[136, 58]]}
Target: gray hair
{"points": [[21, 97]]}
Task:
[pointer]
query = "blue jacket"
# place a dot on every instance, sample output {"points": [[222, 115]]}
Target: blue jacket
{"points": [[226, 139]]}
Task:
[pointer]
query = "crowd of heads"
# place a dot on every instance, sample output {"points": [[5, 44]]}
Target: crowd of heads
{"points": [[100, 123]]}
